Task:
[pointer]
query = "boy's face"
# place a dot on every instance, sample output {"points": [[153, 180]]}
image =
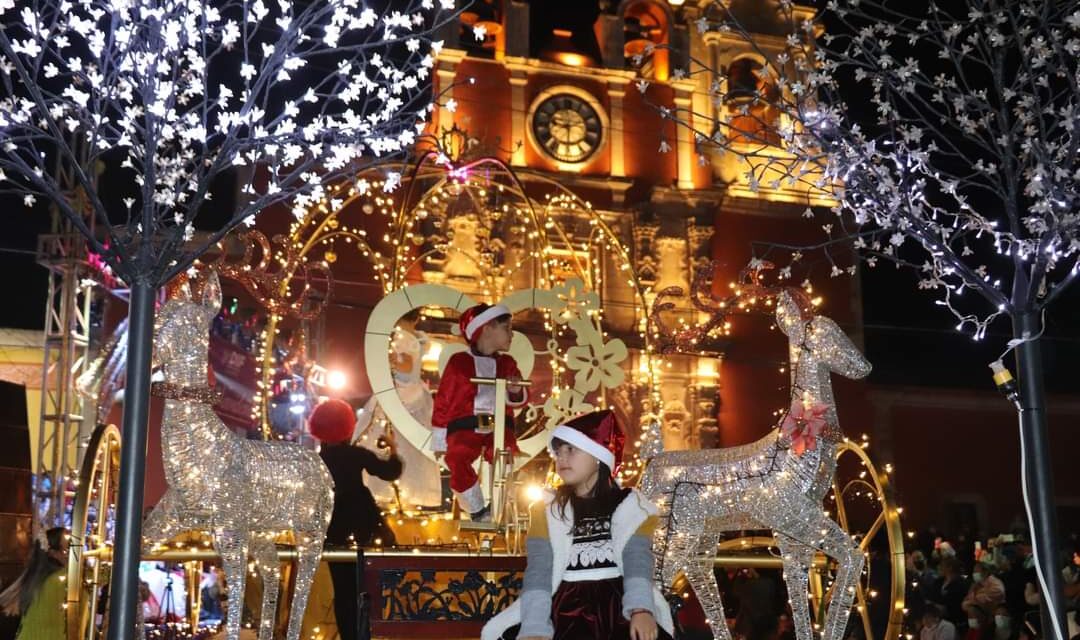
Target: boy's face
{"points": [[495, 336]]}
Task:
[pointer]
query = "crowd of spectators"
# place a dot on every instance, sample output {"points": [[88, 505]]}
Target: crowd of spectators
{"points": [[982, 591]]}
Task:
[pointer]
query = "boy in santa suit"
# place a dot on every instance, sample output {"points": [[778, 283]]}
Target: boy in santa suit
{"points": [[467, 410]]}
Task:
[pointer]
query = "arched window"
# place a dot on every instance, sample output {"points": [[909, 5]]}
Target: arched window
{"points": [[743, 80], [752, 99], [563, 31], [488, 15], [646, 25]]}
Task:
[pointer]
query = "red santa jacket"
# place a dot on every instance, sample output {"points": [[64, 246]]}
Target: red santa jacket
{"points": [[459, 398]]}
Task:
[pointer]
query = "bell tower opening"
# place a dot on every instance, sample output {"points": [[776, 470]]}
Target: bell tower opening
{"points": [[564, 31]]}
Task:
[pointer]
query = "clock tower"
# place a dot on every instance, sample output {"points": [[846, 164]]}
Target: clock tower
{"points": [[572, 90]]}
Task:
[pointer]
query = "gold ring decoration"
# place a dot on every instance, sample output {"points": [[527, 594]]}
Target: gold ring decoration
{"points": [[517, 238], [598, 362], [863, 504], [95, 493]]}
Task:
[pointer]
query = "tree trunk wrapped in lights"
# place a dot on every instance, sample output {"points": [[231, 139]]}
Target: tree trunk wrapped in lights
{"points": [[171, 96], [945, 141]]}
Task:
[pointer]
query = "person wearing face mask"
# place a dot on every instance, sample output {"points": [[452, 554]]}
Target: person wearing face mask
{"points": [[987, 593], [1014, 573], [1002, 624], [934, 627], [951, 590]]}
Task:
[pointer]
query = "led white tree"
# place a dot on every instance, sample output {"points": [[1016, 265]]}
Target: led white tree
{"points": [[170, 95], [947, 137]]}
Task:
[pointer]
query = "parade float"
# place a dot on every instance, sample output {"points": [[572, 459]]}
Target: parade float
{"points": [[604, 316]]}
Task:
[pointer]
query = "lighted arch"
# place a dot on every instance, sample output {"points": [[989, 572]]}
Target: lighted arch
{"points": [[395, 255]]}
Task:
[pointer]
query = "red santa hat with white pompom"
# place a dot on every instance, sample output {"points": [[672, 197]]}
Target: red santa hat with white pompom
{"points": [[598, 434], [474, 318]]}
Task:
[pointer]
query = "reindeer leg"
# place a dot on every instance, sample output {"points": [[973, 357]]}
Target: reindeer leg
{"points": [[308, 551], [265, 553], [156, 526], [163, 523], [839, 545], [827, 536], [797, 561], [232, 546], [699, 572]]}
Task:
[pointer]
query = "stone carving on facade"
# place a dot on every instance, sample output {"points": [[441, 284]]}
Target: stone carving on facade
{"points": [[699, 233], [645, 252], [470, 253], [678, 424], [673, 263], [705, 400]]}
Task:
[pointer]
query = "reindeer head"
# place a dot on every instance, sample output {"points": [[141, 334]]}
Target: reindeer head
{"points": [[826, 343], [183, 323]]}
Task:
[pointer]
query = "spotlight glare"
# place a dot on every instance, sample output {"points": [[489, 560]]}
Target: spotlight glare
{"points": [[335, 379]]}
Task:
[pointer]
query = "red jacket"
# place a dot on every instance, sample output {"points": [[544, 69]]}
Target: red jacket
{"points": [[459, 398]]}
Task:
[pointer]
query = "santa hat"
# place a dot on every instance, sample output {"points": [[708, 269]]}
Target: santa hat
{"points": [[474, 318], [598, 434]]}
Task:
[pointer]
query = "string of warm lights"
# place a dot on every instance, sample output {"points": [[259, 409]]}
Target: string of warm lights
{"points": [[417, 203]]}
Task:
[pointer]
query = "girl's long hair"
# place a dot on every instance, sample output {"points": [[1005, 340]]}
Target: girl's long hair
{"points": [[604, 489], [19, 595]]}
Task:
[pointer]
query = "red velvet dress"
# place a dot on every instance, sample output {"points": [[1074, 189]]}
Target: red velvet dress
{"points": [[587, 605]]}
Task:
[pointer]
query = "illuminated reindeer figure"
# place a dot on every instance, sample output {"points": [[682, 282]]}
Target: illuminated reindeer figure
{"points": [[244, 492], [777, 483]]}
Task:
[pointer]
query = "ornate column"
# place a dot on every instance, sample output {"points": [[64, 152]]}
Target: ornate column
{"points": [[684, 147], [445, 74], [645, 252], [616, 93], [518, 79], [706, 402]]}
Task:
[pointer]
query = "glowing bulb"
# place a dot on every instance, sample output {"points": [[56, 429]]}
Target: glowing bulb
{"points": [[534, 492], [336, 379]]}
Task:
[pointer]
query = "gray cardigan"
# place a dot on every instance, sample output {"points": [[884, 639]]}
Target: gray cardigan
{"points": [[548, 546]]}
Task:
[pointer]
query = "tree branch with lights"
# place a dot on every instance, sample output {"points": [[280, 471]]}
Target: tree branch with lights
{"points": [[170, 97], [947, 143]]}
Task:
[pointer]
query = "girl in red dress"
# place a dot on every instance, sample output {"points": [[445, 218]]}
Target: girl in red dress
{"points": [[590, 572]]}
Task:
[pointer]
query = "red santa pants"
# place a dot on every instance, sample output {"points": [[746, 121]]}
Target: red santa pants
{"points": [[463, 447]]}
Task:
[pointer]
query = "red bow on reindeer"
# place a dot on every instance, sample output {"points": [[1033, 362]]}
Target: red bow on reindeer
{"points": [[803, 424]]}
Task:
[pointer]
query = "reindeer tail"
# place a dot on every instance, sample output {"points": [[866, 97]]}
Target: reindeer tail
{"points": [[653, 442]]}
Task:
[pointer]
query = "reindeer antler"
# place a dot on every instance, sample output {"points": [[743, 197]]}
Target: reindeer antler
{"points": [[749, 291], [690, 338], [272, 288]]}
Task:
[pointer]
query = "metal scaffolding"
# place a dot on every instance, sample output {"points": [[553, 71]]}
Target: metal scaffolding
{"points": [[64, 423]]}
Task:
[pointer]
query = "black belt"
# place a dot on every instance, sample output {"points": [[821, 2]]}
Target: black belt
{"points": [[484, 422]]}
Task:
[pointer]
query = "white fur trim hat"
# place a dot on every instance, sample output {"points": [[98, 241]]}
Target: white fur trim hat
{"points": [[598, 434], [476, 317]]}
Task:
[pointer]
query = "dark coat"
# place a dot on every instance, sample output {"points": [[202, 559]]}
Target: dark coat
{"points": [[355, 511]]}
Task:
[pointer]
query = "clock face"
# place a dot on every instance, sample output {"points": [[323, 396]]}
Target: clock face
{"points": [[567, 128]]}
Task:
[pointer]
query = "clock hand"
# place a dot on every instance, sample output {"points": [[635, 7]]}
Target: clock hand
{"points": [[558, 122]]}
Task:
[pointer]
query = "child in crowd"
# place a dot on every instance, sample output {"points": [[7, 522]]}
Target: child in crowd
{"points": [[590, 570], [39, 593], [466, 410]]}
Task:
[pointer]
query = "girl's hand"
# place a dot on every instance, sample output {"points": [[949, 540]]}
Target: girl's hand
{"points": [[642, 626]]}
